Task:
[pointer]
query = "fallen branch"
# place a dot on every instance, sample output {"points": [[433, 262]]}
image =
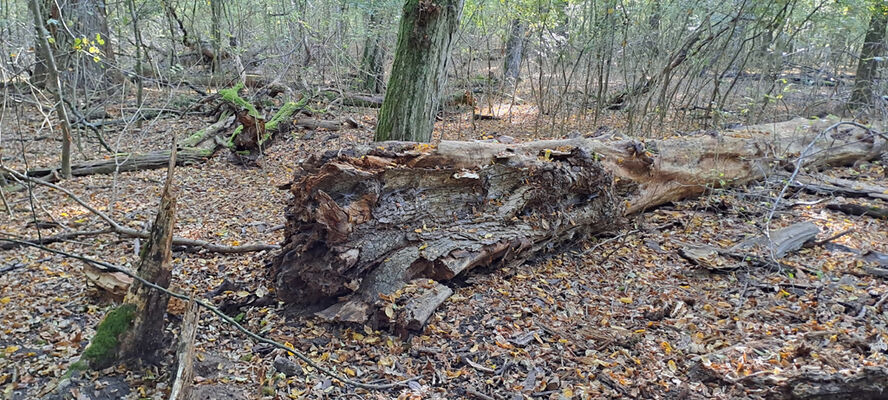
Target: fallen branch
{"points": [[126, 231], [859, 210], [62, 237], [126, 162]]}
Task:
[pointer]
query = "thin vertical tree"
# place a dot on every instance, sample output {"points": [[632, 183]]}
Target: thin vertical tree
{"points": [[419, 71], [54, 84]]}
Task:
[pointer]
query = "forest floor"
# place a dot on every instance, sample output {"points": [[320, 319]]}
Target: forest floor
{"points": [[619, 316]]}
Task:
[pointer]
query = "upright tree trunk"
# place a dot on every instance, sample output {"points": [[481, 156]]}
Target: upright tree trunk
{"points": [[41, 65], [216, 33], [55, 84], [372, 74], [139, 52], [92, 61], [419, 72], [873, 49], [514, 50]]}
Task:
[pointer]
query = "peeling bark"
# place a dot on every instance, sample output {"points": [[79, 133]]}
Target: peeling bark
{"points": [[366, 221]]}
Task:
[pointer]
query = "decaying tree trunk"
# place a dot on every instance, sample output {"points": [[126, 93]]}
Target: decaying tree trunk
{"points": [[368, 227], [182, 382], [155, 265], [134, 330], [371, 222]]}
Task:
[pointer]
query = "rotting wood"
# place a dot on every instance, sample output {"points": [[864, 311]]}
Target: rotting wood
{"points": [[383, 225], [782, 241], [145, 336], [366, 220], [125, 163], [821, 184], [182, 383]]}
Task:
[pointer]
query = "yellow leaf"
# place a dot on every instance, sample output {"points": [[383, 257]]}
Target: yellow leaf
{"points": [[5, 300], [289, 346], [672, 365], [12, 349], [626, 300], [389, 312], [667, 348], [350, 372], [357, 336]]}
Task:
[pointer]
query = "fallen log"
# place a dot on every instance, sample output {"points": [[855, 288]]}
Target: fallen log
{"points": [[365, 221], [859, 210], [125, 162], [821, 184], [366, 226]]}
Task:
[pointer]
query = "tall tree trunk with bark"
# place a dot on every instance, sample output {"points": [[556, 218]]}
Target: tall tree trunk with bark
{"points": [[873, 49], [514, 50], [41, 64], [216, 33], [54, 83], [95, 55], [419, 72], [372, 74]]}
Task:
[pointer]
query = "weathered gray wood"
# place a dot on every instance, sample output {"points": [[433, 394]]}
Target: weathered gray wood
{"points": [[782, 241], [182, 382], [823, 184], [126, 163], [858, 210]]}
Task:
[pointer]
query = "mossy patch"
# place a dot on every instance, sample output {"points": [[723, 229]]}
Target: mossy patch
{"points": [[285, 113], [103, 348], [230, 142], [230, 95]]}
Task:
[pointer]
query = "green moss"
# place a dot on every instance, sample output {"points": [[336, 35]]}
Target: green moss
{"points": [[77, 366], [103, 348], [285, 113], [196, 137], [230, 142], [230, 95]]}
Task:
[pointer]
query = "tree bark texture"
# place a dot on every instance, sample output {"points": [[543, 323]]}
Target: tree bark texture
{"points": [[55, 84], [419, 71], [871, 52], [514, 50], [369, 225], [372, 74]]}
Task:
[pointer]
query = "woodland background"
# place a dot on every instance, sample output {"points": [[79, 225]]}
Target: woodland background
{"points": [[251, 91]]}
